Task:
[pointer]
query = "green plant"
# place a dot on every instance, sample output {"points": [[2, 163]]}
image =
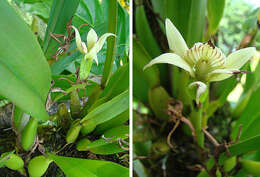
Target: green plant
{"points": [[176, 126], [58, 88]]}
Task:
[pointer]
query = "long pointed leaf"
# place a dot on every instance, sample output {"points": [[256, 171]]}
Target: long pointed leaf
{"points": [[111, 41], [24, 72], [248, 145], [61, 12], [110, 109], [75, 167]]}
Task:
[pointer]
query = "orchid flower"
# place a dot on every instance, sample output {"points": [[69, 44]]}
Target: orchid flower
{"points": [[89, 49], [204, 62]]}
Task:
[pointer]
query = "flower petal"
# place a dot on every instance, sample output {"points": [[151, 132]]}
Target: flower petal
{"points": [[102, 40], [201, 88], [225, 71], [96, 59], [173, 59], [84, 47], [80, 45], [175, 40], [238, 58], [91, 38], [221, 74], [98, 45]]}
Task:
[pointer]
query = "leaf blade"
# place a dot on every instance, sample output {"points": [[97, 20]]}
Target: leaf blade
{"points": [[20, 65], [94, 167]]}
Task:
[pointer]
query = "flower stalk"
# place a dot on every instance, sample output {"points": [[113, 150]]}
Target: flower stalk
{"points": [[196, 119]]}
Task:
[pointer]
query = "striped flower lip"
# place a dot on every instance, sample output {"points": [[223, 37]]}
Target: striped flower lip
{"points": [[204, 62], [204, 59]]}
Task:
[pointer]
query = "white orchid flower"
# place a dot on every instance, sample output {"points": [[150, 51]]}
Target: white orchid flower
{"points": [[89, 49], [205, 63]]}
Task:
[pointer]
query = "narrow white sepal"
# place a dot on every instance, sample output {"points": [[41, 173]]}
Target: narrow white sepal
{"points": [[173, 59], [224, 71], [238, 58], [78, 41], [201, 88], [84, 47], [175, 39], [98, 46], [221, 74]]}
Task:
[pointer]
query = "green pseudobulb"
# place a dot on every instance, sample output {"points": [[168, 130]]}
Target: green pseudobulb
{"points": [[14, 162], [38, 166]]}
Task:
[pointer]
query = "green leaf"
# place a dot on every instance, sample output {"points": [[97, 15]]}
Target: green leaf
{"points": [[245, 146], [24, 72], [110, 145], [123, 32], [102, 148], [40, 9], [34, 1], [188, 17], [61, 12], [144, 33], [118, 132], [116, 121], [111, 41], [83, 14], [179, 13], [65, 62], [140, 92], [252, 79], [75, 167], [196, 21], [95, 9], [140, 59], [118, 82], [223, 88], [249, 115], [72, 167], [251, 129], [215, 10], [110, 109]]}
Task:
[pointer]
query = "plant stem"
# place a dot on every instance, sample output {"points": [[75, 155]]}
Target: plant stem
{"points": [[85, 67], [183, 92], [196, 119]]}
